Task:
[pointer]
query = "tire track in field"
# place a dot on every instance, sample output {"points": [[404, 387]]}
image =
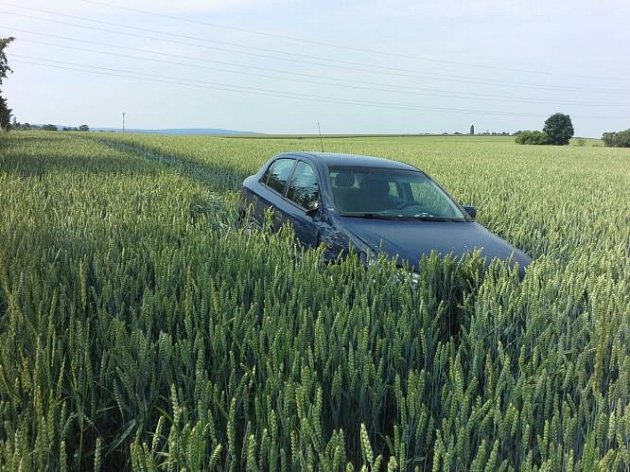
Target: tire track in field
{"points": [[214, 177], [219, 209]]}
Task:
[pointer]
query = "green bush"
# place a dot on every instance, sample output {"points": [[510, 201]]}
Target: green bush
{"points": [[609, 139], [533, 137], [617, 139]]}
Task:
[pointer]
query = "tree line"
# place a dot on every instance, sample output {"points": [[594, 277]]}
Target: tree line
{"points": [[5, 111], [16, 125]]}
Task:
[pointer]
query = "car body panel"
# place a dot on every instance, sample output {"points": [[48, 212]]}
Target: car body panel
{"points": [[410, 240]]}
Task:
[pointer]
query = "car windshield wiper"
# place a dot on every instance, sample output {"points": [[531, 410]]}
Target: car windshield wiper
{"points": [[385, 216], [375, 216], [429, 217]]}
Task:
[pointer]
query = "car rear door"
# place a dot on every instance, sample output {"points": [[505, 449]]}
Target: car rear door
{"points": [[270, 193]]}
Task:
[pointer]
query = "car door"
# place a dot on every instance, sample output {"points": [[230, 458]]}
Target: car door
{"points": [[303, 196], [271, 192]]}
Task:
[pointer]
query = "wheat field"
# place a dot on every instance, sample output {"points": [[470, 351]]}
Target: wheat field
{"points": [[142, 329]]}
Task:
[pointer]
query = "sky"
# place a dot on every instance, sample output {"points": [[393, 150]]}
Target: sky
{"points": [[281, 66]]}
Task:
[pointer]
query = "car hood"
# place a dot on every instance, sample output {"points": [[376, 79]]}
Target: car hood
{"points": [[410, 240]]}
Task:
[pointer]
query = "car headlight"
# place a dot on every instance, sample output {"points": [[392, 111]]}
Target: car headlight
{"points": [[367, 255], [406, 275]]}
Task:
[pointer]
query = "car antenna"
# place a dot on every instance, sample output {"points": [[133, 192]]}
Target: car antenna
{"points": [[321, 141]]}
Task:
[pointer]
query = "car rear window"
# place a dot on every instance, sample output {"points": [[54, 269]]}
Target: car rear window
{"points": [[278, 173]]}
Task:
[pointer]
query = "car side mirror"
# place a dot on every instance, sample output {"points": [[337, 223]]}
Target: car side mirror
{"points": [[471, 210], [313, 208]]}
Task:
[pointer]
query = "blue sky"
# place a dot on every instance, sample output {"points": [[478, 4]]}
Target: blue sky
{"points": [[280, 66]]}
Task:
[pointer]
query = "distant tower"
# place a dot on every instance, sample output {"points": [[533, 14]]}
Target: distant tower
{"points": [[472, 129]]}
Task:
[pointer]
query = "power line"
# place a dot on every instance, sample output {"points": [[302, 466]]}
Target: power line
{"points": [[305, 58], [289, 76], [349, 48], [111, 72]]}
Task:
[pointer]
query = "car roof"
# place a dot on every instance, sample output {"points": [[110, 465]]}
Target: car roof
{"points": [[333, 159]]}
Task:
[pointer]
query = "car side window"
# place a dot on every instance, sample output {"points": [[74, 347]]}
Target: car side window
{"points": [[303, 187], [278, 173]]}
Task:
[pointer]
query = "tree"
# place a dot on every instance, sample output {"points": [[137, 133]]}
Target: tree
{"points": [[84, 128], [559, 129], [5, 114], [49, 128], [5, 111]]}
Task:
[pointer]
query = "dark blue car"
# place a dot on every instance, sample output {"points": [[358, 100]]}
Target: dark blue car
{"points": [[368, 205]]}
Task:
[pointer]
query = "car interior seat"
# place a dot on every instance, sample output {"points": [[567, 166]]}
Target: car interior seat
{"points": [[375, 193], [345, 192]]}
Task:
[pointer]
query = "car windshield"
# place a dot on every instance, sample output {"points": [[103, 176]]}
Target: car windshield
{"points": [[390, 193]]}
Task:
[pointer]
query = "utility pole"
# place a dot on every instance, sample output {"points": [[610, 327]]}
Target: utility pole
{"points": [[123, 122], [321, 141]]}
